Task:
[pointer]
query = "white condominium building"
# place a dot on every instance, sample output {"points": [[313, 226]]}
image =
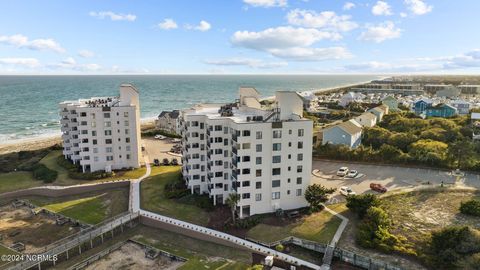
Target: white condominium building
{"points": [[102, 133], [262, 154]]}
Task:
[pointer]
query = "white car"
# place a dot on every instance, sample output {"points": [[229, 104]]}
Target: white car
{"points": [[160, 137], [176, 140], [352, 174], [342, 171], [347, 191]]}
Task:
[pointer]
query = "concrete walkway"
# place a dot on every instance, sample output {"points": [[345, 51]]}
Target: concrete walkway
{"points": [[327, 257]]}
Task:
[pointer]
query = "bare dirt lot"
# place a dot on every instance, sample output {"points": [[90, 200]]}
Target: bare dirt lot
{"points": [[132, 256], [35, 231]]}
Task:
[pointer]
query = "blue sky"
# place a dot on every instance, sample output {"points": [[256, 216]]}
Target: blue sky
{"points": [[239, 37]]}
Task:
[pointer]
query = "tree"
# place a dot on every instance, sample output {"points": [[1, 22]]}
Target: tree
{"points": [[316, 195], [402, 140], [255, 267], [429, 152], [375, 136], [462, 154], [361, 203], [471, 207], [232, 201]]}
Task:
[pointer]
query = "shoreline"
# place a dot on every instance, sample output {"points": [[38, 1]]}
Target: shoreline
{"points": [[45, 141]]}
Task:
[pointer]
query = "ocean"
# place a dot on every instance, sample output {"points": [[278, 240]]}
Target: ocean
{"points": [[29, 104]]}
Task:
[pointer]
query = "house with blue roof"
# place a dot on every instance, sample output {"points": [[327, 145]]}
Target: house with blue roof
{"points": [[420, 106], [441, 110]]}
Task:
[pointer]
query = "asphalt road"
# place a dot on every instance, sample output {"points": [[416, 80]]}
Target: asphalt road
{"points": [[392, 177]]}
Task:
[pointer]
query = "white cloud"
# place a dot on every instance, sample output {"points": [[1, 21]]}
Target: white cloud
{"points": [[382, 8], [20, 62], [266, 3], [290, 43], [86, 53], [467, 60], [281, 37], [381, 32], [418, 7], [202, 26], [403, 14], [71, 63], [312, 54], [374, 66], [113, 16], [168, 24], [21, 41], [327, 19], [348, 6], [253, 63]]}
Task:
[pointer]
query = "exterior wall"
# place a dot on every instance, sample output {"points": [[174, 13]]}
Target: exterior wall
{"points": [[462, 108], [392, 104], [440, 112], [378, 114], [91, 135], [421, 106], [168, 124], [220, 157], [336, 135], [366, 121]]}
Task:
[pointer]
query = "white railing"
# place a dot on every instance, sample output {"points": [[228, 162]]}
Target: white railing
{"points": [[229, 238]]}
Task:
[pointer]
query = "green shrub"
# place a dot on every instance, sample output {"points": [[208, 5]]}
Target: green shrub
{"points": [[42, 172], [153, 132], [75, 171], [361, 203], [248, 223], [279, 247], [471, 207]]}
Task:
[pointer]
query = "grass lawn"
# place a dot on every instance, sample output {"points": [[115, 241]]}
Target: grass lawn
{"points": [[17, 180], [200, 254], [5, 251], [152, 197], [319, 227], [89, 208]]}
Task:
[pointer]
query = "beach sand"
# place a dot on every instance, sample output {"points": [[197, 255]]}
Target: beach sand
{"points": [[45, 142]]}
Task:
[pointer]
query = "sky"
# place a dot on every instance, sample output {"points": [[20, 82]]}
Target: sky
{"points": [[239, 37]]}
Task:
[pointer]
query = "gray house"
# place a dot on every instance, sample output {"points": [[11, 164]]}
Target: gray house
{"points": [[348, 133], [169, 121]]}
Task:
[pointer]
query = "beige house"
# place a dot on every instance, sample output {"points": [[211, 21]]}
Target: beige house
{"points": [[366, 119], [379, 112]]}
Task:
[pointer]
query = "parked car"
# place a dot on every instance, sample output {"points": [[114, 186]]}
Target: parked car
{"points": [[160, 137], [342, 171], [156, 162], [174, 162], [165, 162], [352, 174], [347, 191], [378, 187], [176, 140]]}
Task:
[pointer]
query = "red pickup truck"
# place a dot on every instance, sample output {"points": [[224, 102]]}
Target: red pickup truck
{"points": [[378, 188]]}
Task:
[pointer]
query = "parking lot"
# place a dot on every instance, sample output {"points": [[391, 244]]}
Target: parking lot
{"points": [[158, 149], [324, 173]]}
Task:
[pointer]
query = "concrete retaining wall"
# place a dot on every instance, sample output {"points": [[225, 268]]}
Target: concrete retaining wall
{"points": [[56, 191]]}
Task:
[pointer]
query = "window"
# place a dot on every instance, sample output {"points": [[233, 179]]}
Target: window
{"points": [[246, 171], [93, 124], [288, 192], [258, 147], [225, 130], [127, 131], [109, 158], [300, 145], [245, 145], [299, 180], [95, 159], [128, 148], [277, 134], [218, 128], [84, 131], [125, 114], [246, 196], [108, 141], [108, 149], [275, 195], [94, 142], [258, 160], [83, 114], [258, 197], [275, 183], [218, 174], [276, 159], [128, 156], [246, 159], [94, 133], [258, 185], [245, 183], [258, 173], [301, 132], [299, 192], [299, 168], [277, 147], [299, 157], [95, 150], [127, 140], [259, 135], [126, 123], [83, 123], [108, 132], [289, 132], [106, 115], [246, 133], [276, 171]]}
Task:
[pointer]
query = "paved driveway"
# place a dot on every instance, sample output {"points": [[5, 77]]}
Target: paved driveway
{"points": [[324, 173]]}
